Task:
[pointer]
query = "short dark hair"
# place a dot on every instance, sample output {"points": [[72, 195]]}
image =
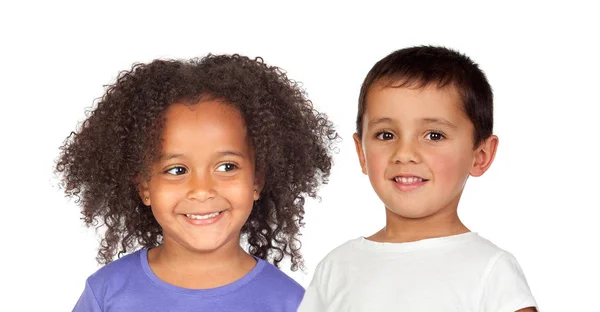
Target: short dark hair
{"points": [[425, 65]]}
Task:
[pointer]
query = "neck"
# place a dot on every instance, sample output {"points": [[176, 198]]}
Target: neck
{"points": [[399, 229], [183, 267]]}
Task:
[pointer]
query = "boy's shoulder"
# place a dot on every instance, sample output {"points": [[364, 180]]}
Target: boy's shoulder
{"points": [[349, 246], [343, 253]]}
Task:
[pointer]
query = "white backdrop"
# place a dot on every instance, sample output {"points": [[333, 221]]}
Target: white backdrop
{"points": [[538, 200]]}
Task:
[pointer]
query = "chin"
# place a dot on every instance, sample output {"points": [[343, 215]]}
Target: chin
{"points": [[203, 248], [206, 245], [411, 213]]}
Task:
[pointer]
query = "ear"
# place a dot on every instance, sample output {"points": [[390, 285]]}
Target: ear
{"points": [[259, 183], [484, 156], [143, 190], [360, 152]]}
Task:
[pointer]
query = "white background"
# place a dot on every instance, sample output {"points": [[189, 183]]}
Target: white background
{"points": [[539, 199]]}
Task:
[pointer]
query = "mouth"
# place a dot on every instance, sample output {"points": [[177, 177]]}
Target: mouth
{"points": [[406, 183], [409, 179], [203, 218]]}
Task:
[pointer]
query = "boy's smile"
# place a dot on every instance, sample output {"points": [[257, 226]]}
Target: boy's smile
{"points": [[407, 182], [417, 149]]}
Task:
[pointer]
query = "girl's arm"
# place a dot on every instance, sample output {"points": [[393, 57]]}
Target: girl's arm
{"points": [[87, 302]]}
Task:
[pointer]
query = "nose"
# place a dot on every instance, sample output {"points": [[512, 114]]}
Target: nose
{"points": [[406, 151], [201, 187]]}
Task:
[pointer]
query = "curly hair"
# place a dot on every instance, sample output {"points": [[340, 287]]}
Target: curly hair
{"points": [[100, 163]]}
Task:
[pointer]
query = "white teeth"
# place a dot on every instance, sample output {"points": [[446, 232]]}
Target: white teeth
{"points": [[408, 180], [201, 217]]}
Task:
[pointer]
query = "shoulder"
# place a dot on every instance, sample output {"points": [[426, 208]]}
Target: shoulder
{"points": [[503, 264], [276, 278], [478, 252], [277, 289], [482, 255], [340, 261], [116, 272], [504, 286], [482, 247], [342, 253]]}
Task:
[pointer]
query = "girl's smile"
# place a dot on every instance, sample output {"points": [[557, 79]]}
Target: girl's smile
{"points": [[203, 188]]}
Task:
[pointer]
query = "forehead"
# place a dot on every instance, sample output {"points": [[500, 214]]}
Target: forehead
{"points": [[404, 103], [204, 125]]}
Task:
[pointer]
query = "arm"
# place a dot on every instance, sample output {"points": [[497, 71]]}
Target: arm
{"points": [[505, 287], [87, 302], [312, 301]]}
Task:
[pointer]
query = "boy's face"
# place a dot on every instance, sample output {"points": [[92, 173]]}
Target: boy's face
{"points": [[203, 186], [417, 149]]}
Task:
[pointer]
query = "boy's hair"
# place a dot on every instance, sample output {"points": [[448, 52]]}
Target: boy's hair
{"points": [[101, 163], [422, 66]]}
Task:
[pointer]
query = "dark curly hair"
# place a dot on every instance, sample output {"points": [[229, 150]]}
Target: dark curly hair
{"points": [[100, 163]]}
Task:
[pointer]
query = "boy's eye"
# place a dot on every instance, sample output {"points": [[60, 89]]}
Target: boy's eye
{"points": [[177, 171], [385, 136], [434, 136], [226, 167]]}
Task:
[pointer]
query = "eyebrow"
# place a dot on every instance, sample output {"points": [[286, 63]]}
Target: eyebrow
{"points": [[375, 122], [439, 121], [224, 153], [232, 153], [170, 156]]}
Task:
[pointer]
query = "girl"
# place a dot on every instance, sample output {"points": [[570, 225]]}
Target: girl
{"points": [[187, 159]]}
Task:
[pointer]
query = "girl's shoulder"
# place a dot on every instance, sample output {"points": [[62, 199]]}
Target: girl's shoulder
{"points": [[277, 290], [273, 276], [118, 271]]}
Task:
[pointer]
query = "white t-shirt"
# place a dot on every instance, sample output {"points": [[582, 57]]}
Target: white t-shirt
{"points": [[462, 272]]}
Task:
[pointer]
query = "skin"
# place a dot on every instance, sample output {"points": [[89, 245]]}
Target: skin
{"points": [[206, 166], [409, 132]]}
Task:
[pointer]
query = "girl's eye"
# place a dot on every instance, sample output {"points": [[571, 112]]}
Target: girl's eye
{"points": [[435, 136], [226, 167], [177, 171], [385, 136]]}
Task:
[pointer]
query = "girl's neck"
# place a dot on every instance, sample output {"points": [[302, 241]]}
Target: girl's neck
{"points": [[399, 229], [182, 267]]}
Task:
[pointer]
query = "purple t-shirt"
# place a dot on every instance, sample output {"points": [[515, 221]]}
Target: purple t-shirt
{"points": [[129, 285]]}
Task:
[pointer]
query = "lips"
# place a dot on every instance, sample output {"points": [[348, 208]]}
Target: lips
{"points": [[408, 179], [202, 216], [407, 182]]}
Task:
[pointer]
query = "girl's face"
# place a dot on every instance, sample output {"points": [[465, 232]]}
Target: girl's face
{"points": [[203, 187]]}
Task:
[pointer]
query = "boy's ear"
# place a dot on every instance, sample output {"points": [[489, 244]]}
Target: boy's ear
{"points": [[360, 152], [259, 183], [484, 156], [143, 190]]}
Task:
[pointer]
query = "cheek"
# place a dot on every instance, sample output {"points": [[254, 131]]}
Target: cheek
{"points": [[240, 193], [165, 196], [448, 168], [376, 160]]}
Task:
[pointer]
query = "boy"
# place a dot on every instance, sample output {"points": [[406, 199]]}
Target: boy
{"points": [[424, 125]]}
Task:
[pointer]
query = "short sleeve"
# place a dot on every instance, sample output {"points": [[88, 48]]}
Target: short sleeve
{"points": [[312, 301], [505, 287], [87, 302]]}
